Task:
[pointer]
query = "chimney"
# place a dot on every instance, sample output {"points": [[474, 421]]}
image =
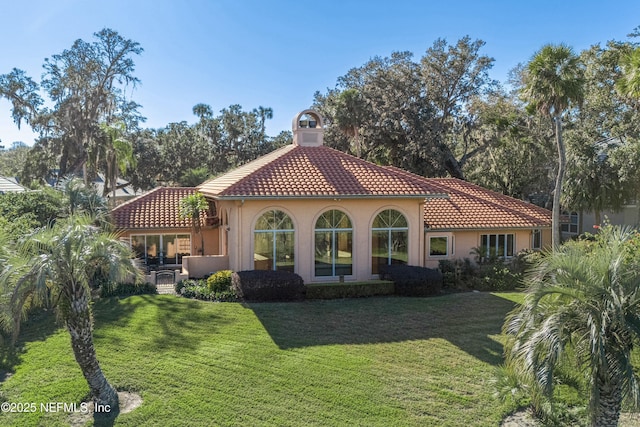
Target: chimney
{"points": [[308, 129]]}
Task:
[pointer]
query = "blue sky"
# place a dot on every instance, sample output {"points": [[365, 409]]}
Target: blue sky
{"points": [[278, 53]]}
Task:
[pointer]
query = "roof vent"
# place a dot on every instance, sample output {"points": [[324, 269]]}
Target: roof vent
{"points": [[308, 130]]}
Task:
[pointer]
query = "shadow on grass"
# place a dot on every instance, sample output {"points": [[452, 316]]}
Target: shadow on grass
{"points": [[39, 325], [465, 320], [176, 323]]}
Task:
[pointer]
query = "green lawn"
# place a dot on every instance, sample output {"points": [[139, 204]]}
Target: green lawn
{"points": [[386, 361]]}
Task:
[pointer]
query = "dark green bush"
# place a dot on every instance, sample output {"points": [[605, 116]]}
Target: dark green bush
{"points": [[124, 289], [458, 274], [410, 280], [220, 281], [350, 290], [267, 285]]}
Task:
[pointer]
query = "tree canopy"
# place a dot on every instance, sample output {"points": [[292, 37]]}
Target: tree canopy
{"points": [[85, 85]]}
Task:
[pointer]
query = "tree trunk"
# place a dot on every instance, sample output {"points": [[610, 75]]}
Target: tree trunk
{"points": [[79, 325], [607, 410], [557, 192]]}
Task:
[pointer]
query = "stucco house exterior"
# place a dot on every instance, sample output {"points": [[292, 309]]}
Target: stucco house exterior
{"points": [[330, 216]]}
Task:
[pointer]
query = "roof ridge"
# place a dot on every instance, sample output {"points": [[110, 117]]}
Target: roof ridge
{"points": [[235, 175], [490, 191]]}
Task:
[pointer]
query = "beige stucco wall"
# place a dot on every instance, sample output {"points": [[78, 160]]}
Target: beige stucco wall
{"points": [[629, 215], [238, 220], [462, 243], [200, 266]]}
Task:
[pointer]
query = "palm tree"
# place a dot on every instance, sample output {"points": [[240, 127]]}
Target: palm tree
{"points": [[628, 85], [190, 207], [553, 81], [583, 304], [78, 198], [54, 265], [349, 117], [263, 114], [118, 156]]}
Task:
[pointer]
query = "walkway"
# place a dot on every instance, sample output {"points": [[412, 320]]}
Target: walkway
{"points": [[167, 289]]}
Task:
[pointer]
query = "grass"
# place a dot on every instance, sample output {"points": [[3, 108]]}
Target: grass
{"points": [[386, 361]]}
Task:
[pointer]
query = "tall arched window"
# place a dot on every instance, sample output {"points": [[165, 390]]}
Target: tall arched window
{"points": [[389, 236], [273, 242], [333, 244]]}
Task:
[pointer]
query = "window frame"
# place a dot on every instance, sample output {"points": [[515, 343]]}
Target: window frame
{"points": [[390, 230], [505, 253], [536, 239], [274, 232], [448, 250], [334, 231], [161, 245], [572, 226]]}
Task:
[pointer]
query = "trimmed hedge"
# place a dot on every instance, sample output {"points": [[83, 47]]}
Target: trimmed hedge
{"points": [[126, 289], [268, 285], [413, 281], [350, 290]]}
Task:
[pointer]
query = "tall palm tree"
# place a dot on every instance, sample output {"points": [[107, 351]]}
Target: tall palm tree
{"points": [[583, 303], [54, 265], [263, 114], [553, 82]]}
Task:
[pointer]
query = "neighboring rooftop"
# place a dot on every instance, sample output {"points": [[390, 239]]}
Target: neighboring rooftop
{"points": [[10, 185], [470, 206], [159, 208]]}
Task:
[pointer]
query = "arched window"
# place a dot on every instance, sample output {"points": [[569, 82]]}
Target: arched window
{"points": [[333, 244], [389, 236], [273, 242]]}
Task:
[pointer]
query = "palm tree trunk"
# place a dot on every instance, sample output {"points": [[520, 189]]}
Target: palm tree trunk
{"points": [[609, 404], [80, 328], [557, 192]]}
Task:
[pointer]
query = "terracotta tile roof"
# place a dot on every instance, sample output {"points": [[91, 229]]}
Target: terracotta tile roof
{"points": [[295, 171], [159, 208], [470, 206], [298, 171]]}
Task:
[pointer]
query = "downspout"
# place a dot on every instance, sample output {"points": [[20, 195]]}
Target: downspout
{"points": [[239, 237], [422, 241]]}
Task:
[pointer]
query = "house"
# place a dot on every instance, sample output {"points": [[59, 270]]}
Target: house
{"points": [[472, 217], [575, 223], [151, 223], [124, 190], [328, 216], [10, 185]]}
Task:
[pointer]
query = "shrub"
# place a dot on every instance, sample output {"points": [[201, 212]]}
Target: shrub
{"points": [[220, 281], [200, 289], [267, 285], [125, 289], [412, 280], [350, 290], [458, 274], [497, 277]]}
